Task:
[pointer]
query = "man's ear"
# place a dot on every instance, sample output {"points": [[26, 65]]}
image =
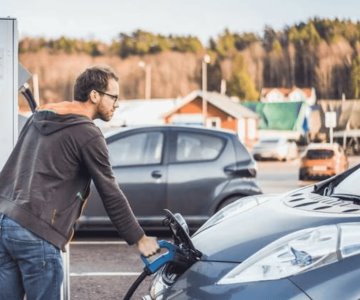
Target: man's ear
{"points": [[94, 97]]}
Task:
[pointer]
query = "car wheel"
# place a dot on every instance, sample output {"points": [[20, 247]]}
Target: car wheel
{"points": [[228, 201]]}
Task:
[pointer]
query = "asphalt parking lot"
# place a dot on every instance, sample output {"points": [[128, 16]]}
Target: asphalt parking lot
{"points": [[104, 267]]}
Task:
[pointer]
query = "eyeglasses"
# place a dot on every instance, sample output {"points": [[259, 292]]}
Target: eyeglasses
{"points": [[113, 97]]}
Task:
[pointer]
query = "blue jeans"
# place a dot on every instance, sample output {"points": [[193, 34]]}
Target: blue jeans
{"points": [[29, 265]]}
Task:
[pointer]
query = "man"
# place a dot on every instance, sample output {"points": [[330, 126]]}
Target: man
{"points": [[45, 183]]}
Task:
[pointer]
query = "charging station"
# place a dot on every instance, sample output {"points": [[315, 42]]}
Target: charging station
{"points": [[8, 87], [13, 77]]}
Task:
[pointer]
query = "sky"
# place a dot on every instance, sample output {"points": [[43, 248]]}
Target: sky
{"points": [[104, 20]]}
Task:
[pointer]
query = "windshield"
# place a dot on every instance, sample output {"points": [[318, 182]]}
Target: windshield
{"points": [[349, 186]]}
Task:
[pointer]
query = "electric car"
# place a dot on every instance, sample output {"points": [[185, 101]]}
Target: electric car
{"points": [[304, 244], [191, 170]]}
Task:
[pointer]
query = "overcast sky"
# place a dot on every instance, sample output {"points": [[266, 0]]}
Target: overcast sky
{"points": [[104, 19]]}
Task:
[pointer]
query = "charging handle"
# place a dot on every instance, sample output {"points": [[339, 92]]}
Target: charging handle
{"points": [[153, 266]]}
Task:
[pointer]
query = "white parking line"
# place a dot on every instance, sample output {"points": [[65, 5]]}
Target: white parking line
{"points": [[101, 274], [97, 243], [105, 274]]}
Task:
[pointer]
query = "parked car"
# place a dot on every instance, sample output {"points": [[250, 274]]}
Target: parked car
{"points": [[192, 170], [322, 160], [275, 148], [304, 244]]}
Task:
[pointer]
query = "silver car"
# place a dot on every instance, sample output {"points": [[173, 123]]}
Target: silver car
{"points": [[275, 148]]}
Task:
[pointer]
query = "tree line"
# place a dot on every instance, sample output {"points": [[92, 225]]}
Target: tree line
{"points": [[320, 53], [138, 43]]}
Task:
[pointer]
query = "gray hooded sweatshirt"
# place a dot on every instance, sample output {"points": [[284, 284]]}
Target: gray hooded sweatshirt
{"points": [[46, 180]]}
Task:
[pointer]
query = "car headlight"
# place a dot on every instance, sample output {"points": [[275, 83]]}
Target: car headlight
{"points": [[165, 278], [297, 253], [238, 206], [158, 286]]}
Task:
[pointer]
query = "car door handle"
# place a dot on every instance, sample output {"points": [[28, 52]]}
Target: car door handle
{"points": [[156, 174]]}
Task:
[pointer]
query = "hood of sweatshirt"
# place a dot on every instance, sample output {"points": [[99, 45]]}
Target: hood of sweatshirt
{"points": [[51, 118]]}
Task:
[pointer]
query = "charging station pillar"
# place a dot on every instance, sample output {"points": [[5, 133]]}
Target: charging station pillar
{"points": [[65, 291], [8, 87]]}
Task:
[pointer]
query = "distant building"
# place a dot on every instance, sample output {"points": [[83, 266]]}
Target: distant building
{"points": [[139, 112], [347, 129], [294, 94], [222, 112], [285, 119]]}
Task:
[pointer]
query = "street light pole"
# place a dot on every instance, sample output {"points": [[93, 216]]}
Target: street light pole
{"points": [[147, 68], [205, 61], [148, 81]]}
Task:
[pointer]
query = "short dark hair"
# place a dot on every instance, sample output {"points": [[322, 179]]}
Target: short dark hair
{"points": [[93, 78]]}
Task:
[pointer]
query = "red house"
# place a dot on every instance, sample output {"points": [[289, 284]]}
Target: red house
{"points": [[221, 112]]}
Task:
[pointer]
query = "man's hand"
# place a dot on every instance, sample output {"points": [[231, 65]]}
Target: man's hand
{"points": [[148, 246]]}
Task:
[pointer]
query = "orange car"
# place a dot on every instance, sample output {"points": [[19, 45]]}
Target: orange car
{"points": [[320, 161]]}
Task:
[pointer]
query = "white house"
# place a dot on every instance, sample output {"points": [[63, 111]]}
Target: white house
{"points": [[294, 94]]}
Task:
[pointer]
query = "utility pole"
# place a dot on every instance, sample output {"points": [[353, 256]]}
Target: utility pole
{"points": [[205, 61], [147, 68]]}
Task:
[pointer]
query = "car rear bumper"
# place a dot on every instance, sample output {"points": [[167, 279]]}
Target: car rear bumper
{"points": [[316, 174], [267, 155]]}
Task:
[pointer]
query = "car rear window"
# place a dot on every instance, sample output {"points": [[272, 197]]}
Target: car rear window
{"points": [[274, 141], [195, 147], [319, 153], [137, 149]]}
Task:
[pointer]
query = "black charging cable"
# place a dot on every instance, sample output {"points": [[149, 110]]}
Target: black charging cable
{"points": [[26, 92]]}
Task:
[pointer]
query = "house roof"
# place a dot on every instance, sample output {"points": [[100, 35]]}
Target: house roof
{"points": [[140, 112], [218, 100], [145, 110], [279, 115]]}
